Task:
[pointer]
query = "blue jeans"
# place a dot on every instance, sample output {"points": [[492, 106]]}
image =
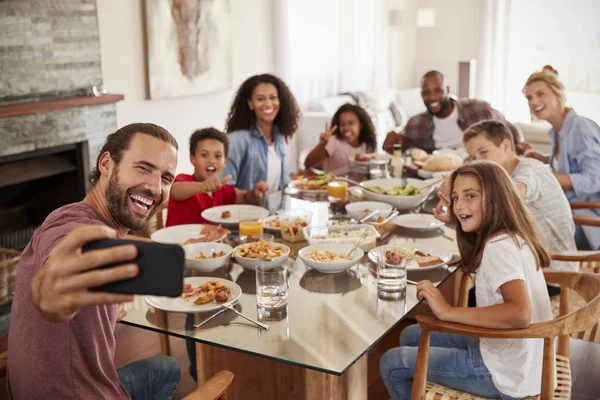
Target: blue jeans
{"points": [[154, 378], [454, 361]]}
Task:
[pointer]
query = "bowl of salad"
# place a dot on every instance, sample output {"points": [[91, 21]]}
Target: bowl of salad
{"points": [[392, 191]]}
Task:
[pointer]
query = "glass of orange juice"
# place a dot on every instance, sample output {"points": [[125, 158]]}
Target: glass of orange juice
{"points": [[338, 197], [250, 224]]}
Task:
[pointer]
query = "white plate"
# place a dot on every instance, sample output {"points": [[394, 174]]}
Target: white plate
{"points": [[423, 222], [433, 174], [354, 209], [331, 267], [376, 156], [412, 265], [400, 202], [178, 234], [209, 264], [213, 214], [181, 305], [269, 219], [292, 185]]}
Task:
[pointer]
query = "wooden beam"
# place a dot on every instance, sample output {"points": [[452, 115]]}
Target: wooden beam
{"points": [[33, 107]]}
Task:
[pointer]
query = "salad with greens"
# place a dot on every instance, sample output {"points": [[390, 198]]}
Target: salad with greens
{"points": [[317, 182], [408, 190]]}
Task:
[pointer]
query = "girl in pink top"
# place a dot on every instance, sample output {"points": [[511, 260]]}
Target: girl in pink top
{"points": [[337, 146]]}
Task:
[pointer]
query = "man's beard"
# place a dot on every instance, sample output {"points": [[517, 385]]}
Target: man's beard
{"points": [[117, 199], [443, 107]]}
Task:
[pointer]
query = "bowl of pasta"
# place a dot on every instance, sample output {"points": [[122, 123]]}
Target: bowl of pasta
{"points": [[267, 254], [330, 257]]}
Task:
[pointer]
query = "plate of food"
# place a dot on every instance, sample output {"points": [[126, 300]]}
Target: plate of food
{"points": [[272, 223], [418, 256], [230, 214], [207, 257], [394, 191], [365, 159], [200, 294], [249, 255], [422, 222], [312, 184], [330, 257], [192, 233], [440, 163]]}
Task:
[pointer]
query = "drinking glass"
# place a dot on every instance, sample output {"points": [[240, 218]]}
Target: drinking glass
{"points": [[250, 224], [391, 279], [278, 322], [271, 287], [338, 197]]}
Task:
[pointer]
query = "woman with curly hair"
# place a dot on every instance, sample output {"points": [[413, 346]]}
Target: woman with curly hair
{"points": [[351, 133], [263, 116]]}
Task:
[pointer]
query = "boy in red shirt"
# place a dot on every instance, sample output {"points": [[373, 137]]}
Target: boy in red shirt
{"points": [[192, 194]]}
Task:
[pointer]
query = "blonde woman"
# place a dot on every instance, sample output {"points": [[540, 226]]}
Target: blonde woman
{"points": [[575, 156]]}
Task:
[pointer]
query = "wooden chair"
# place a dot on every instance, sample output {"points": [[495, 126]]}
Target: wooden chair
{"points": [[213, 389], [588, 221], [587, 285]]}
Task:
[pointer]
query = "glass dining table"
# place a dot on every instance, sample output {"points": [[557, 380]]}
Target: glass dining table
{"points": [[326, 344]]}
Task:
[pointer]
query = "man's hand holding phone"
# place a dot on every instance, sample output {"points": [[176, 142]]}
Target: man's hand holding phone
{"points": [[62, 285]]}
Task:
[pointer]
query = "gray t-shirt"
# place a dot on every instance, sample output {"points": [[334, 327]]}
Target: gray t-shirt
{"points": [[60, 360], [550, 208]]}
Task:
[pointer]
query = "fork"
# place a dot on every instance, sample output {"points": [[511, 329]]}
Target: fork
{"points": [[259, 324]]}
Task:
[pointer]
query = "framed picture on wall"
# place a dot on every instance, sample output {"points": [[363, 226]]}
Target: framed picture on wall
{"points": [[188, 47]]}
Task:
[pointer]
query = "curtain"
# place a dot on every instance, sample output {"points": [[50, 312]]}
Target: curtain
{"points": [[493, 52], [323, 48]]}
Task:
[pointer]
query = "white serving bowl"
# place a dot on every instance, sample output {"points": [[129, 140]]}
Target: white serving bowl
{"points": [[251, 263], [354, 209], [400, 202], [210, 264], [331, 267]]}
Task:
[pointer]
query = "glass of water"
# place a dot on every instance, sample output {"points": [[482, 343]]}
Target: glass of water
{"points": [[391, 279], [271, 287]]}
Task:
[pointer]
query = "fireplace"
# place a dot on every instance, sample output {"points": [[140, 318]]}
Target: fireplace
{"points": [[34, 183]]}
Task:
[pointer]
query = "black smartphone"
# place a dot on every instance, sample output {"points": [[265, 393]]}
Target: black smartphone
{"points": [[160, 268]]}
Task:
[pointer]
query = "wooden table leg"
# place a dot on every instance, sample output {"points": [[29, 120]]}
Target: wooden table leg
{"points": [[165, 347], [260, 378]]}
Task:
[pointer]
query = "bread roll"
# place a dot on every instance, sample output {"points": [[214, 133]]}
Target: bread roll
{"points": [[442, 162], [418, 155]]}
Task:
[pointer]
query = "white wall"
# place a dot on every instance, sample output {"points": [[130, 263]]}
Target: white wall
{"points": [[124, 68], [414, 50], [454, 38]]}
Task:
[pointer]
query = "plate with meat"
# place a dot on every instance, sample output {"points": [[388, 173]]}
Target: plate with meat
{"points": [[200, 294], [189, 234], [272, 223], [365, 159], [312, 184], [417, 256], [230, 214]]}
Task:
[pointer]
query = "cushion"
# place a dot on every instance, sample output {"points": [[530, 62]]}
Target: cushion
{"points": [[399, 114]]}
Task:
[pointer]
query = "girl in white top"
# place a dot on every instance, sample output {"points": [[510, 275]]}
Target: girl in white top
{"points": [[498, 238]]}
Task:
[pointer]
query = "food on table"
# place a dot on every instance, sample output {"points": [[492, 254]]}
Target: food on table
{"points": [[317, 182], [361, 158], [202, 256], [442, 162], [274, 223], [209, 233], [365, 211], [259, 249], [343, 234], [226, 214], [397, 254], [428, 261], [408, 190], [326, 256], [291, 230], [418, 155], [370, 157], [207, 292]]}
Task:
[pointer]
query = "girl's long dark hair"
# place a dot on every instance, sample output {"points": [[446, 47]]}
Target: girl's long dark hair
{"points": [[367, 130], [503, 212], [241, 117]]}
